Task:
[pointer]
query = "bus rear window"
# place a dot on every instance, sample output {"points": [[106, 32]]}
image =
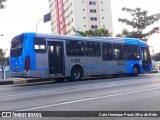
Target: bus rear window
{"points": [[16, 46], [17, 42]]}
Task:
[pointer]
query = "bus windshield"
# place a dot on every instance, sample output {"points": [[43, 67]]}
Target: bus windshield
{"points": [[16, 46]]}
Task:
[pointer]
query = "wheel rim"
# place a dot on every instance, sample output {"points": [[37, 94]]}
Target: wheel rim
{"points": [[76, 74], [135, 70]]}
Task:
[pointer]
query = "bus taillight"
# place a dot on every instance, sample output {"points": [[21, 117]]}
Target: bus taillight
{"points": [[27, 63]]}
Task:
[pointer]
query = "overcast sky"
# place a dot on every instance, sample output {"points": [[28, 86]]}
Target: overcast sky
{"points": [[22, 16]]}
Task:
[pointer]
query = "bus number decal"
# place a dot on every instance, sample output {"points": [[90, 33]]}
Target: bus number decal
{"points": [[75, 60]]}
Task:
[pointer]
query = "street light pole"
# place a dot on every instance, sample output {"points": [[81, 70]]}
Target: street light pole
{"points": [[37, 24]]}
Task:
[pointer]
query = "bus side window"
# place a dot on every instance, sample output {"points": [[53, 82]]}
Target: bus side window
{"points": [[117, 52], [107, 52], [75, 48], [135, 52], [39, 45], [93, 49], [127, 52]]}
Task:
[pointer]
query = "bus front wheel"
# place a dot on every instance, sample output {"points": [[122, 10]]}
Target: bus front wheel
{"points": [[76, 74], [135, 70]]}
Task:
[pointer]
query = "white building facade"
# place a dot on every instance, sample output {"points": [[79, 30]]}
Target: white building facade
{"points": [[81, 15]]}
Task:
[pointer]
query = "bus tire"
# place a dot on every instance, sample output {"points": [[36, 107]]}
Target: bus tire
{"points": [[135, 70], [116, 75], [76, 74]]}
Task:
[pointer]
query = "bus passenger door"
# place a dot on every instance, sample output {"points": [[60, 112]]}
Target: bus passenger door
{"points": [[55, 56], [145, 58]]}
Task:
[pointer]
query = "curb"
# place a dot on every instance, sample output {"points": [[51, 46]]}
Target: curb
{"points": [[6, 82], [22, 81], [154, 71]]}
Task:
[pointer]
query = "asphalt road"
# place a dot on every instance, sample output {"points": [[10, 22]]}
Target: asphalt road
{"points": [[140, 93]]}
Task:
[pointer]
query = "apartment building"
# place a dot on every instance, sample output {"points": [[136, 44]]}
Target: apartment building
{"points": [[82, 15]]}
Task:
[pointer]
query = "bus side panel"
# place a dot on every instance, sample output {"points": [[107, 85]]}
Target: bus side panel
{"points": [[39, 62], [130, 64], [94, 65], [71, 61], [41, 69], [119, 67], [29, 52], [107, 67]]}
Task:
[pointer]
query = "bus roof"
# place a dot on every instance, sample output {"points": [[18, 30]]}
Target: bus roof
{"points": [[100, 39]]}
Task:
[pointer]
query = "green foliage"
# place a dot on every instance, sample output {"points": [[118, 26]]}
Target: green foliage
{"points": [[3, 61], [140, 21], [156, 57], [1, 4], [99, 32]]}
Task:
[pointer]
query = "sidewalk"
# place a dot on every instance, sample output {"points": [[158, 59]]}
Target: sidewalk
{"points": [[12, 81], [22, 81]]}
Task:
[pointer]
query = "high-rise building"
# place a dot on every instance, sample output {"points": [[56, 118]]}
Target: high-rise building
{"points": [[81, 15]]}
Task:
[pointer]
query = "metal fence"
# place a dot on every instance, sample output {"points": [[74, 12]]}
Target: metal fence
{"points": [[6, 75]]}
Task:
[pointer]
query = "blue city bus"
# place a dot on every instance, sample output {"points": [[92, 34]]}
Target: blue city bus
{"points": [[39, 55]]}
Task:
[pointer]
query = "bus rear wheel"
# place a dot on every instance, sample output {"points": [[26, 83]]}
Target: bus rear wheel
{"points": [[76, 74], [135, 70]]}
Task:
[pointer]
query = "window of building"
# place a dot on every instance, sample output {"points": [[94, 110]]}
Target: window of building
{"points": [[70, 4], [135, 52], [127, 52], [117, 52], [94, 26], [93, 18], [39, 45], [93, 10], [75, 48], [90, 2], [107, 52], [72, 20], [93, 49]]}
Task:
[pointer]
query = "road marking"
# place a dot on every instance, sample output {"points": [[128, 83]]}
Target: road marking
{"points": [[89, 98]]}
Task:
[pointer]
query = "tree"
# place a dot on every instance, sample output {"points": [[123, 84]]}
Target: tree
{"points": [[2, 6], [3, 61], [140, 21], [156, 57], [99, 32]]}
